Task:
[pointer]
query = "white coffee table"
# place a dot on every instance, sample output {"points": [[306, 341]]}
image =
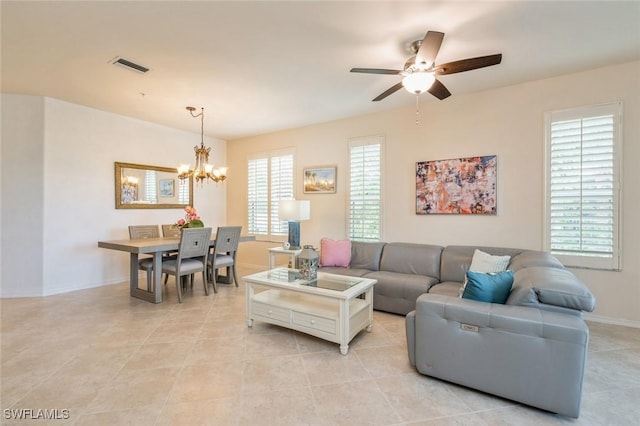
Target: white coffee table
{"points": [[333, 307]]}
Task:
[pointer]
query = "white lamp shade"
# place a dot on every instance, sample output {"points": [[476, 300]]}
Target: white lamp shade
{"points": [[418, 82], [294, 210]]}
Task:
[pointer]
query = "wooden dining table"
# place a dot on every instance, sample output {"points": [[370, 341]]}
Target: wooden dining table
{"points": [[155, 247]]}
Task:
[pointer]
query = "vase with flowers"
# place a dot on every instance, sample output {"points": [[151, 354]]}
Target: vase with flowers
{"points": [[190, 220]]}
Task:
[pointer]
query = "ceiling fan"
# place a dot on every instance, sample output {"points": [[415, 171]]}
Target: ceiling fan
{"points": [[420, 71]]}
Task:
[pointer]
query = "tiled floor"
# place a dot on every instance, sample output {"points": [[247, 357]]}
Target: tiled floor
{"points": [[110, 359]]}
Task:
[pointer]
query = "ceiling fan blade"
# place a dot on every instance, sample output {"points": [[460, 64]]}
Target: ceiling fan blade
{"points": [[468, 64], [375, 71], [388, 92], [429, 47], [438, 90]]}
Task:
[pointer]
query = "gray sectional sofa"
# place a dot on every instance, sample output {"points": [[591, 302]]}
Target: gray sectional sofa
{"points": [[532, 349]]}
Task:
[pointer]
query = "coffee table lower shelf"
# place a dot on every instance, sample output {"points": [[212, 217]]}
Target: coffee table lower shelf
{"points": [[312, 314]]}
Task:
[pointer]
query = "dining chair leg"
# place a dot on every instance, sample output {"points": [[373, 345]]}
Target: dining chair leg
{"points": [[234, 275], [205, 282], [213, 281], [179, 288]]}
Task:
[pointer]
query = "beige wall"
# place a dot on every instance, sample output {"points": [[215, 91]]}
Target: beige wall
{"points": [[508, 122], [58, 196]]}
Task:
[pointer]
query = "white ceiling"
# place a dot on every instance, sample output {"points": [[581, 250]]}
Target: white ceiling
{"points": [[258, 67]]}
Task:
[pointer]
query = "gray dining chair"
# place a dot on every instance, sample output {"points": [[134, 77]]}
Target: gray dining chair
{"points": [[224, 254], [138, 232], [191, 259], [170, 230]]}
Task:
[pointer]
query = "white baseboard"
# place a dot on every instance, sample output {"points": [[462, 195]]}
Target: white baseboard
{"points": [[613, 321]]}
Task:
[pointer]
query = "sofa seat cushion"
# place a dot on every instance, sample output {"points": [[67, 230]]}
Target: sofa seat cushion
{"points": [[447, 288], [551, 286], [396, 292], [344, 271]]}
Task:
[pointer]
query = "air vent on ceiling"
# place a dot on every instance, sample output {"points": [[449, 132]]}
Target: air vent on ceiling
{"points": [[129, 65]]}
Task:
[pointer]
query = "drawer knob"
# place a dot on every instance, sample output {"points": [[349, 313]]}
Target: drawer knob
{"points": [[270, 311], [313, 321]]}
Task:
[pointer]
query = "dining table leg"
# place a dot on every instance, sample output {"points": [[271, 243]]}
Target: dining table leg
{"points": [[153, 293], [133, 274], [157, 277]]}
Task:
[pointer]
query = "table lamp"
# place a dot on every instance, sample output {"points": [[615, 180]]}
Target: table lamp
{"points": [[294, 211]]}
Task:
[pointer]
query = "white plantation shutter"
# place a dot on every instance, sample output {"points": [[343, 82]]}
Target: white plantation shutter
{"points": [[583, 154], [257, 190], [281, 189], [365, 189], [183, 191], [150, 194], [269, 179]]}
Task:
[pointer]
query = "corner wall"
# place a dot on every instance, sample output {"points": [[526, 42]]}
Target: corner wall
{"points": [[22, 195]]}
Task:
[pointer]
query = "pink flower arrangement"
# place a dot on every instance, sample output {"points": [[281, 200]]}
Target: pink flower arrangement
{"points": [[191, 219]]}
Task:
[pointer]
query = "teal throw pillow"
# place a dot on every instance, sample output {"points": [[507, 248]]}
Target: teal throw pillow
{"points": [[492, 288]]}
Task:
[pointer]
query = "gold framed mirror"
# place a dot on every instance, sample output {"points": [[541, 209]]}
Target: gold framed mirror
{"points": [[140, 186]]}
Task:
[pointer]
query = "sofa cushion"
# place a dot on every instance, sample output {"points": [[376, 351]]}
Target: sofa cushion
{"points": [[366, 255], [552, 286], [457, 259], [335, 253], [491, 287], [410, 258], [485, 262]]}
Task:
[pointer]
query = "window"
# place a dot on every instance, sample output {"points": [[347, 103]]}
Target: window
{"points": [[183, 191], [270, 179], [150, 195], [583, 154], [365, 188]]}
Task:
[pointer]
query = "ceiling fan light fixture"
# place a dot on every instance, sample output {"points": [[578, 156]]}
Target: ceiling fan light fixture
{"points": [[418, 82]]}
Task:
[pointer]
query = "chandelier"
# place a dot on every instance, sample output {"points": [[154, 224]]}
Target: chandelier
{"points": [[202, 170]]}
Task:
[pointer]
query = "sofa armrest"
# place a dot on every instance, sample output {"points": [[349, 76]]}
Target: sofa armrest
{"points": [[538, 286]]}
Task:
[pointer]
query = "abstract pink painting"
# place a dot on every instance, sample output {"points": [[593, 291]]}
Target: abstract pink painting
{"points": [[457, 186]]}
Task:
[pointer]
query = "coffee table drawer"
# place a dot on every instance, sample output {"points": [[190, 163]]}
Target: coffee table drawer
{"points": [[270, 311], [315, 322]]}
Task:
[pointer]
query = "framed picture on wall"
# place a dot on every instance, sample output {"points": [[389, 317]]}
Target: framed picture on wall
{"points": [[166, 188], [457, 186], [320, 180]]}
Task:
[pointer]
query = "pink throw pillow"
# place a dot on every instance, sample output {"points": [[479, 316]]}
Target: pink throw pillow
{"points": [[335, 253]]}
